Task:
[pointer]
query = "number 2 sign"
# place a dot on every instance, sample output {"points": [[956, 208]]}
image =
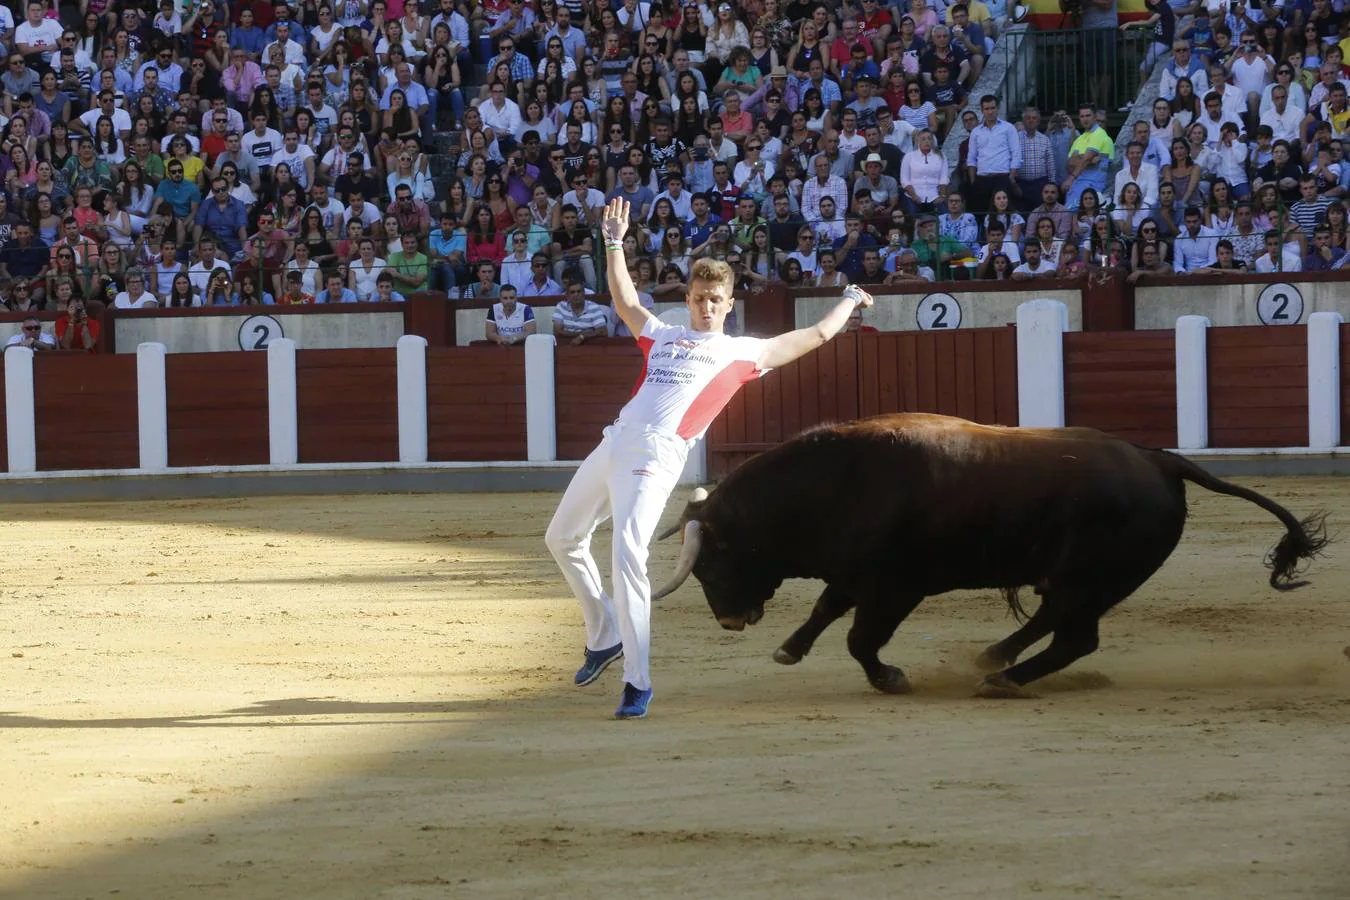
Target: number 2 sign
{"points": [[1279, 304], [939, 312], [258, 331]]}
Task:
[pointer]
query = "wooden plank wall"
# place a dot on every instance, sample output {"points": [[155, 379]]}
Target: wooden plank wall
{"points": [[347, 405], [594, 381], [970, 373], [86, 411], [475, 403], [820, 387], [1258, 387], [1123, 382], [217, 407]]}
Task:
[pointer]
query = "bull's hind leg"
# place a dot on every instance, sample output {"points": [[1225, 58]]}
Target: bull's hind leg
{"points": [[1005, 652], [873, 624], [1075, 636], [832, 603]]}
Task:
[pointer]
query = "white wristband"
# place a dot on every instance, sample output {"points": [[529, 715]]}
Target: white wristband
{"points": [[854, 293]]}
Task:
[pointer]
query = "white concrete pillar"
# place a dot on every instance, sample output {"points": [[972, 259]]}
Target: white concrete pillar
{"points": [[152, 405], [541, 402], [283, 423], [20, 417], [412, 399], [696, 464], [1040, 363], [1192, 339], [1324, 380]]}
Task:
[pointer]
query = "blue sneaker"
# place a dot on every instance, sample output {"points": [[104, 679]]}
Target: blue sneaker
{"points": [[634, 703], [596, 662]]}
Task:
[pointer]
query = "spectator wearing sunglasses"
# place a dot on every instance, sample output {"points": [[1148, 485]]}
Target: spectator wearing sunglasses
{"points": [[32, 336]]}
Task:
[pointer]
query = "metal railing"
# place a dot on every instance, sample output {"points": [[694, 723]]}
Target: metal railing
{"points": [[1059, 69]]}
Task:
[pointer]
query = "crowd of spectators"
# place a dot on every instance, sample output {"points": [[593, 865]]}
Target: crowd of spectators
{"points": [[262, 151], [1239, 164]]}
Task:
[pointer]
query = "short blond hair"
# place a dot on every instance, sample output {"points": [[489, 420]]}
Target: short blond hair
{"points": [[714, 272]]}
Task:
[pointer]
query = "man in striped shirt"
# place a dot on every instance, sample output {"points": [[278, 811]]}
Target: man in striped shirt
{"points": [[1037, 160], [577, 318]]}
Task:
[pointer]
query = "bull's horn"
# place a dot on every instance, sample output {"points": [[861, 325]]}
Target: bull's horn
{"points": [[698, 496], [693, 540]]}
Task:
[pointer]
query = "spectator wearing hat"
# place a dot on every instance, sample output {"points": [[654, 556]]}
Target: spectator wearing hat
{"points": [[883, 188], [777, 84], [936, 251]]}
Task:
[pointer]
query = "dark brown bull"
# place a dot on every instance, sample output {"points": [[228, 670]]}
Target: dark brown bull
{"points": [[890, 510]]}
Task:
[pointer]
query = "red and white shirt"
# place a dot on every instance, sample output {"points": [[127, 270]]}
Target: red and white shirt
{"points": [[688, 376]]}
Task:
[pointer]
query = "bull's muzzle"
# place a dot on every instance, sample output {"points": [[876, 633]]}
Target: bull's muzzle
{"points": [[738, 623]]}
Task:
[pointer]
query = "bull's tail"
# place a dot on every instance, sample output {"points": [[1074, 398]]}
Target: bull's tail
{"points": [[1303, 540], [1012, 596]]}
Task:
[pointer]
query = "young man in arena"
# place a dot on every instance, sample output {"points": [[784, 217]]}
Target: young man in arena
{"points": [[691, 373]]}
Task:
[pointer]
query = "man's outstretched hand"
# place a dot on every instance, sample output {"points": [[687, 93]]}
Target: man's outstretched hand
{"points": [[614, 223]]}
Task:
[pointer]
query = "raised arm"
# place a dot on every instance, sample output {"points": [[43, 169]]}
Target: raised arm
{"points": [[622, 293], [786, 347]]}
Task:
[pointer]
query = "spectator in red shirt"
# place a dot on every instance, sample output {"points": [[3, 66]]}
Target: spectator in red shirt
{"points": [[75, 330]]}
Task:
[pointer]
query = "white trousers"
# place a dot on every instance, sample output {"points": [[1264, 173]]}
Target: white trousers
{"points": [[629, 476]]}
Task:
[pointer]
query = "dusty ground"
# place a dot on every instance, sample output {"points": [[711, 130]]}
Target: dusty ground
{"points": [[370, 697]]}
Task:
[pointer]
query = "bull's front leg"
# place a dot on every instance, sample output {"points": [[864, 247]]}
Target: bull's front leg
{"points": [[832, 603], [874, 622]]}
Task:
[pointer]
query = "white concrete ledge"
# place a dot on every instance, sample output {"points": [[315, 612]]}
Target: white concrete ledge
{"points": [[541, 399], [1040, 363], [412, 398], [152, 406], [20, 411], [1192, 362], [1324, 380], [283, 425]]}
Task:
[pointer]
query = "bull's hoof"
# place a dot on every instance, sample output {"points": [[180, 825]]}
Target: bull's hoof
{"points": [[992, 661], [998, 687], [891, 681], [786, 657]]}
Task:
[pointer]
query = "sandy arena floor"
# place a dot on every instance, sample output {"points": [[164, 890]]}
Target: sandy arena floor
{"points": [[369, 697]]}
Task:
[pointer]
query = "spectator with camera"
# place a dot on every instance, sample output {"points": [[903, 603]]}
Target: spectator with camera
{"points": [[75, 330]]}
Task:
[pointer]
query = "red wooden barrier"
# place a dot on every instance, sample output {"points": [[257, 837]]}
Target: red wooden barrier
{"points": [[1258, 387], [86, 413], [971, 373], [594, 381], [1123, 382], [217, 409], [347, 404], [475, 403]]}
